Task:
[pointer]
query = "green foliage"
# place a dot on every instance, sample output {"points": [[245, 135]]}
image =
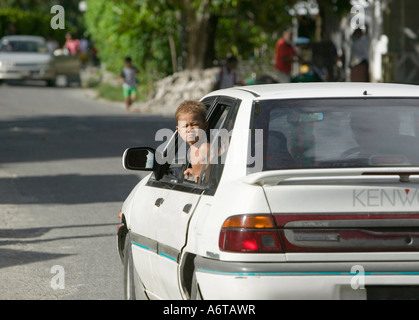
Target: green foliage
{"points": [[138, 29], [109, 92], [142, 28], [249, 26], [114, 93], [33, 17], [26, 22]]}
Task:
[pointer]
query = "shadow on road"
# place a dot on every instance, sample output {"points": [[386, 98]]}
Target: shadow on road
{"points": [[66, 189], [53, 138], [76, 137], [38, 232], [12, 257]]}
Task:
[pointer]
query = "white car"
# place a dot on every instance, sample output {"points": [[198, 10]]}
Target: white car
{"points": [[309, 191], [24, 57]]}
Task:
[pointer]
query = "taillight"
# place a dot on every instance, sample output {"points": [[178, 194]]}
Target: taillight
{"points": [[249, 233], [317, 232]]}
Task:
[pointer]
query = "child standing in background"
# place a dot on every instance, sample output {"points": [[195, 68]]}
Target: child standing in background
{"points": [[128, 78], [227, 76]]}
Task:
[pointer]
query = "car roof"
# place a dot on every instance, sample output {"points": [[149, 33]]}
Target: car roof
{"points": [[325, 90], [23, 38]]}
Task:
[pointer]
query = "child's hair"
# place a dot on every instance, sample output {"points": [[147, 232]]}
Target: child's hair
{"points": [[191, 106], [232, 59], [127, 59]]}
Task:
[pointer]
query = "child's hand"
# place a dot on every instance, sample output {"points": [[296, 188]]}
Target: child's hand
{"points": [[189, 173]]}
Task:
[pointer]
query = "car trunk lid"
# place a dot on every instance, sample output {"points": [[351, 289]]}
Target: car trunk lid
{"points": [[371, 210]]}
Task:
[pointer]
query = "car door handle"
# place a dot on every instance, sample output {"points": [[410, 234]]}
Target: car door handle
{"points": [[187, 207], [159, 202]]}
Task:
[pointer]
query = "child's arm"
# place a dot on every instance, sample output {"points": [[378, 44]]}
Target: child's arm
{"points": [[198, 159], [121, 77]]}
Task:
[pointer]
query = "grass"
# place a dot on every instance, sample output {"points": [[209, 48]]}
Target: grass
{"points": [[114, 93], [109, 92]]}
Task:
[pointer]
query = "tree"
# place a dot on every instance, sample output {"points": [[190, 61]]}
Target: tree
{"points": [[160, 33], [31, 10], [139, 29], [330, 14], [237, 24]]}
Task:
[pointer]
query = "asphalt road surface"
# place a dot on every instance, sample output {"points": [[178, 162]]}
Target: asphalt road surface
{"points": [[62, 186]]}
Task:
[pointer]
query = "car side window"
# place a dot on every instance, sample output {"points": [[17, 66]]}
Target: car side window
{"points": [[176, 155], [220, 136], [221, 118], [176, 168], [216, 120]]}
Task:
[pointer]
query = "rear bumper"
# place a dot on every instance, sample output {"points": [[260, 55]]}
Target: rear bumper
{"points": [[220, 280]]}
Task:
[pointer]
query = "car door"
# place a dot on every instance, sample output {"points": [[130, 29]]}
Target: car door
{"points": [[172, 219], [159, 221], [160, 218]]}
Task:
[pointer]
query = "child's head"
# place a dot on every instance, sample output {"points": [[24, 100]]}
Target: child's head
{"points": [[190, 116], [231, 63], [128, 61], [69, 36]]}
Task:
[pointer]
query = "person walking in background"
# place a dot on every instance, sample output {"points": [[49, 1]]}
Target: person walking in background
{"points": [[359, 62], [84, 50], [284, 56], [52, 44], [227, 76], [128, 78]]}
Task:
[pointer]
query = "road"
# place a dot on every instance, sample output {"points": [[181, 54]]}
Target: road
{"points": [[62, 186]]}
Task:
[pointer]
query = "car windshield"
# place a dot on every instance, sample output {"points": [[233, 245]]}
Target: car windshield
{"points": [[22, 46], [335, 133]]}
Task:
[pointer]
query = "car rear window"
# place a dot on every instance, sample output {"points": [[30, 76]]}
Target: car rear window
{"points": [[335, 133]]}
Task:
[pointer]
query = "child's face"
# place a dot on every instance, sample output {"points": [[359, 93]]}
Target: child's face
{"points": [[232, 65], [191, 126]]}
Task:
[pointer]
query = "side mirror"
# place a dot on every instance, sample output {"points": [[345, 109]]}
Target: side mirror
{"points": [[140, 159]]}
